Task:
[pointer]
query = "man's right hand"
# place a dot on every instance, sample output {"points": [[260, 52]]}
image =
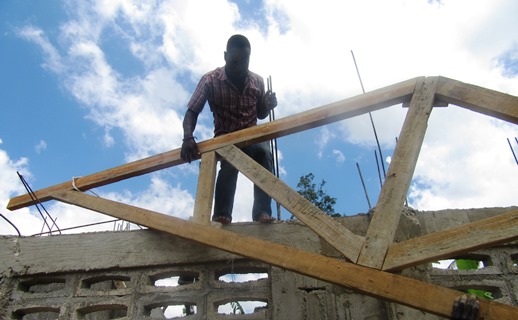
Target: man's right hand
{"points": [[190, 150]]}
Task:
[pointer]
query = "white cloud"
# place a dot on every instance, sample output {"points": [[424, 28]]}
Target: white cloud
{"points": [[11, 185], [52, 57], [325, 135], [306, 47], [339, 156], [29, 220], [462, 166], [160, 197], [41, 146], [10, 182]]}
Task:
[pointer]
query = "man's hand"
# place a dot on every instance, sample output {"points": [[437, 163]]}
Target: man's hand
{"points": [[189, 150], [270, 100], [465, 308]]}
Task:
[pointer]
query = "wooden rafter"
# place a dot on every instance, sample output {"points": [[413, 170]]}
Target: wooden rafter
{"points": [[390, 203], [438, 245], [374, 253], [380, 284], [344, 109], [489, 102]]}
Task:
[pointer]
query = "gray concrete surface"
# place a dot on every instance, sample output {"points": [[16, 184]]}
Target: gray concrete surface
{"points": [[111, 275]]}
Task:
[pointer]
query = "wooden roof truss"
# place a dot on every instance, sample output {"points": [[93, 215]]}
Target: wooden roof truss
{"points": [[371, 260]]}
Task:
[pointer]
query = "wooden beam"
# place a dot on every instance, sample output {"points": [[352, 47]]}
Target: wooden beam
{"points": [[387, 212], [205, 190], [453, 241], [343, 240], [489, 102], [330, 113], [417, 294]]}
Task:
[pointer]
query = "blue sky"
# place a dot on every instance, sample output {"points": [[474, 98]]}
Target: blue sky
{"points": [[89, 85]]}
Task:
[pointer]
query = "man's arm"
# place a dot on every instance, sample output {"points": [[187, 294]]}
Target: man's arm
{"points": [[189, 147], [189, 123]]}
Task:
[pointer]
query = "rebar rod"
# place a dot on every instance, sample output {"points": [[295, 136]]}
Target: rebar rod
{"points": [[37, 201], [512, 150], [12, 224], [370, 116], [363, 184]]}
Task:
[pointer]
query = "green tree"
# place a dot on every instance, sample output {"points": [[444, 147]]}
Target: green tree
{"points": [[317, 195]]}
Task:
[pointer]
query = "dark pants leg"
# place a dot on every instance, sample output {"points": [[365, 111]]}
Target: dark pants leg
{"points": [[225, 190], [227, 179]]}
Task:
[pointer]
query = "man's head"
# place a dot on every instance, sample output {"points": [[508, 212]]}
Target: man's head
{"points": [[237, 57]]}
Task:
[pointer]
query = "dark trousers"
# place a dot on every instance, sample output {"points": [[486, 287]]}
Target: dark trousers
{"points": [[227, 180]]}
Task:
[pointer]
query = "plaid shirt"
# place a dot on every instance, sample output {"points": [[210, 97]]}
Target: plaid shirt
{"points": [[232, 110]]}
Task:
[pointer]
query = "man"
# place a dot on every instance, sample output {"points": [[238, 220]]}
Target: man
{"points": [[237, 99]]}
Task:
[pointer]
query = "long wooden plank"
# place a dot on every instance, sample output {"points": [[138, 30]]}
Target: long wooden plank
{"points": [[343, 240], [205, 189], [387, 212], [376, 283], [453, 241], [371, 101], [493, 103]]}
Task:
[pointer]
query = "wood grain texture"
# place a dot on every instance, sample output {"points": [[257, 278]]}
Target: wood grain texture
{"points": [[453, 241], [330, 113], [387, 212], [489, 102], [205, 188], [343, 240], [376, 283]]}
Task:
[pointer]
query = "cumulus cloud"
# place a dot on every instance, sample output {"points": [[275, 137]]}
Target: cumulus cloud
{"points": [[306, 47], [467, 167], [10, 185]]}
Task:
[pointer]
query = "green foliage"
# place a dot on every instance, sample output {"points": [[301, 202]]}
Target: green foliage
{"points": [[318, 196], [237, 308], [468, 264], [481, 293]]}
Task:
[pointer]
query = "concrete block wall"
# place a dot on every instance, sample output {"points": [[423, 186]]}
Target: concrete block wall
{"points": [[132, 293], [112, 275]]}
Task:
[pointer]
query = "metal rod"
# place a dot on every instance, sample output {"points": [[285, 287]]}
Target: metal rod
{"points": [[370, 116], [364, 188], [273, 146], [378, 167], [512, 150], [19, 234], [37, 201], [82, 226], [406, 198], [357, 71]]}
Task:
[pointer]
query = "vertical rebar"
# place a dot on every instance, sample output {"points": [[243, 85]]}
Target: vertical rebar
{"points": [[37, 202], [363, 184], [370, 116], [273, 146], [512, 150], [378, 167]]}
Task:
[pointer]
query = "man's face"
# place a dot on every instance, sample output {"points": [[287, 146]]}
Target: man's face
{"points": [[237, 60]]}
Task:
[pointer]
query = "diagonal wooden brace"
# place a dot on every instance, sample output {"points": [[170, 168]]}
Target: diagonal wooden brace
{"points": [[438, 245], [343, 240], [413, 293]]}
